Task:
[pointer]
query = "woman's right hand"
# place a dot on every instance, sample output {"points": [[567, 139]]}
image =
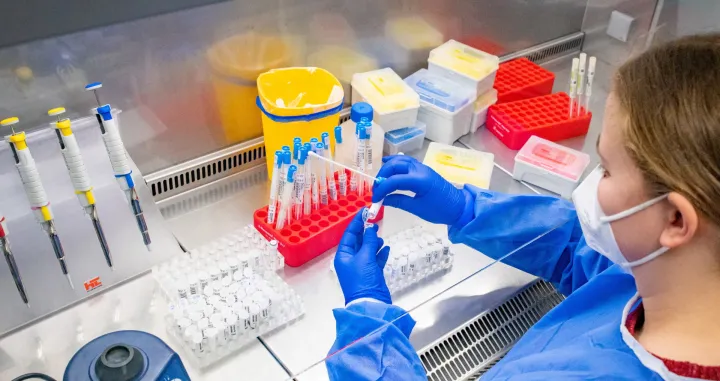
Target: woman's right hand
{"points": [[436, 200]]}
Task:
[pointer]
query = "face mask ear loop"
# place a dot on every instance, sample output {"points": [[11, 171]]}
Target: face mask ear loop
{"points": [[633, 210], [647, 258]]}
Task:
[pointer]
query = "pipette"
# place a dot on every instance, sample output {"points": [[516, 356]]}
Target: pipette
{"points": [[119, 160], [10, 259], [300, 183], [286, 198], [342, 176], [332, 187], [590, 77], [35, 191], [307, 206], [573, 85], [274, 186], [79, 176], [581, 81], [353, 170], [322, 179]]}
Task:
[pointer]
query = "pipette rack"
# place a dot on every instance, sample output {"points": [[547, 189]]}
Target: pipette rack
{"points": [[546, 117], [312, 235], [522, 79]]}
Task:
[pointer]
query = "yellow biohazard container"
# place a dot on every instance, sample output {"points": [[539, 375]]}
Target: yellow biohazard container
{"points": [[299, 102], [236, 63]]}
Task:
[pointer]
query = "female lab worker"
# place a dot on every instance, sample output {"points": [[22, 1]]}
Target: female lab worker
{"points": [[637, 252]]}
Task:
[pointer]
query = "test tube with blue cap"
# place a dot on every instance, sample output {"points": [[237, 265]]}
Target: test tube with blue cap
{"points": [[119, 159], [307, 198], [361, 158], [314, 177], [342, 176], [297, 144], [322, 172], [274, 187], [332, 187], [300, 182], [284, 215]]}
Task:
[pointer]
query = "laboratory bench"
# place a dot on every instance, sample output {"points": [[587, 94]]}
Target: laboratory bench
{"points": [[474, 284]]}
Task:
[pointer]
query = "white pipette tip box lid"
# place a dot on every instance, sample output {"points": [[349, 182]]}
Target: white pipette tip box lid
{"points": [[550, 166], [394, 103], [460, 165]]}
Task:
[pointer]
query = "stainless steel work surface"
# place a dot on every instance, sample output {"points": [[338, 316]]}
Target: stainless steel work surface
{"points": [[48, 345]]}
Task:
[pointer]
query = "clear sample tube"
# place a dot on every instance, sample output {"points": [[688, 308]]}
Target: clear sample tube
{"points": [[332, 187], [342, 175], [322, 174], [573, 85], [300, 183], [581, 83], [274, 187], [286, 198], [307, 198]]}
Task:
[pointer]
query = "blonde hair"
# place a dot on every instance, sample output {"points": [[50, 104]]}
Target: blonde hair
{"points": [[671, 95]]}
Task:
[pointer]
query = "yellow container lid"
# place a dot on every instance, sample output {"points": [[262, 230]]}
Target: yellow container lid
{"points": [[341, 61], [385, 90], [459, 165], [413, 33], [464, 59], [296, 91], [485, 100]]}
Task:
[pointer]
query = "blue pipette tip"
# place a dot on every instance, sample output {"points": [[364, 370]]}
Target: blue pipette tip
{"points": [[291, 173], [338, 135], [93, 86]]}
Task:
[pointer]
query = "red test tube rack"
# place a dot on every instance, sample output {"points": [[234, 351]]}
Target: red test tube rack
{"points": [[312, 235], [547, 117], [522, 79]]}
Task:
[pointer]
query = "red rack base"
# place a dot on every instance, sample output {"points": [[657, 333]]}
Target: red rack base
{"points": [[546, 117], [313, 235], [522, 79]]}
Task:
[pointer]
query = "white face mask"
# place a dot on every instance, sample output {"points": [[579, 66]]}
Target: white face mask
{"points": [[596, 225]]}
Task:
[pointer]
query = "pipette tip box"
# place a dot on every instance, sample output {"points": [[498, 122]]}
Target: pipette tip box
{"points": [[550, 166], [521, 79], [547, 116], [460, 165], [404, 140], [312, 235]]}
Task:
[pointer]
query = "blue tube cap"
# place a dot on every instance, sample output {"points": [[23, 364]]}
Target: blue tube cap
{"points": [[325, 139], [287, 157], [362, 134], [361, 110], [278, 158], [338, 135], [291, 173], [296, 150], [319, 146], [286, 148], [314, 140], [302, 156], [297, 140]]}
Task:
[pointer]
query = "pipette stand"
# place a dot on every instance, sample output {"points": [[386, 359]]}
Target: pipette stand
{"points": [[46, 286]]}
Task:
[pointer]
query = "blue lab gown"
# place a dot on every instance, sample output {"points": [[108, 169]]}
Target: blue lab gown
{"points": [[578, 339]]}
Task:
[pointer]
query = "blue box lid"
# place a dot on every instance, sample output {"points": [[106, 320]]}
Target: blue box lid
{"points": [[439, 91]]}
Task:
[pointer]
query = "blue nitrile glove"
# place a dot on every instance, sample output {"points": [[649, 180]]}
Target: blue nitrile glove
{"points": [[359, 263], [436, 199]]}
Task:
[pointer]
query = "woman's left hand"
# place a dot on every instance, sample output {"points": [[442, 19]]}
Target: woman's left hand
{"points": [[359, 263]]}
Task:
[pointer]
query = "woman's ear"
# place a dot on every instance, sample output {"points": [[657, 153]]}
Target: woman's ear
{"points": [[682, 221]]}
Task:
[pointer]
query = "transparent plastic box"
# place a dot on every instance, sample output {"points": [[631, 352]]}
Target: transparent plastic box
{"points": [[445, 107], [464, 65], [407, 139], [460, 165], [481, 106], [225, 294], [550, 166], [394, 103]]}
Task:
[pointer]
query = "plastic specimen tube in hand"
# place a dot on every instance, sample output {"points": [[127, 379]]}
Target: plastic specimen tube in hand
{"points": [[286, 198], [274, 187]]}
